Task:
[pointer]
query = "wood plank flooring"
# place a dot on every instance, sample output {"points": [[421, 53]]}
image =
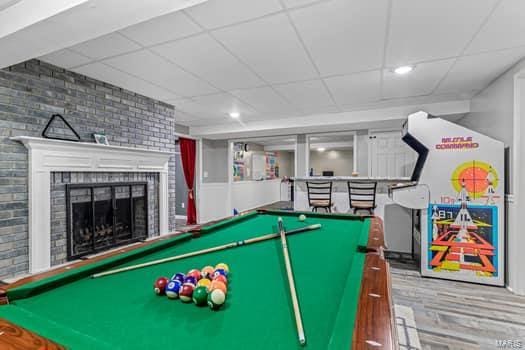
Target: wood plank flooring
{"points": [[457, 315]]}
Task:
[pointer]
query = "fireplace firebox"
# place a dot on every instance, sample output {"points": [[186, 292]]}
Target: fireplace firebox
{"points": [[105, 215]]}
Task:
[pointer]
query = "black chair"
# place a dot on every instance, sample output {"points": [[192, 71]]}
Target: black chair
{"points": [[362, 195], [320, 195]]}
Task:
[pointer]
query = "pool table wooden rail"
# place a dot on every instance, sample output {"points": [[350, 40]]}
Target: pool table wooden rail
{"points": [[374, 326]]}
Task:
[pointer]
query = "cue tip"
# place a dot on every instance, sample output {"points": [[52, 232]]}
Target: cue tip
{"points": [[302, 339]]}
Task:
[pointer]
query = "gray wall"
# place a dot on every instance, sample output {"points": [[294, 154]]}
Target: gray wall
{"points": [[492, 110], [341, 162], [215, 160], [30, 93]]}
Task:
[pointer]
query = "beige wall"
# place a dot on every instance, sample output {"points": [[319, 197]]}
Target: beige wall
{"points": [[340, 162], [286, 163]]}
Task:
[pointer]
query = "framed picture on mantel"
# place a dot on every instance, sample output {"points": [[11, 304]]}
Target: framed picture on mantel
{"points": [[101, 139]]}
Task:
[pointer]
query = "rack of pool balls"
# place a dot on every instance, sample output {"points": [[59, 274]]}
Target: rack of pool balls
{"points": [[207, 286]]}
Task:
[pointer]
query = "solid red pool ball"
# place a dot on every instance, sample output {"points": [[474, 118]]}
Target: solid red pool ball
{"points": [[186, 292], [221, 278], [194, 273], [160, 285]]}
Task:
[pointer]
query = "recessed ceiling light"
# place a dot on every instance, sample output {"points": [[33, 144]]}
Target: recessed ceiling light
{"points": [[235, 115], [321, 149], [403, 70]]}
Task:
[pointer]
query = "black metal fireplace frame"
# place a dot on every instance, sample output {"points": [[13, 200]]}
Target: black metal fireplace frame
{"points": [[112, 185]]}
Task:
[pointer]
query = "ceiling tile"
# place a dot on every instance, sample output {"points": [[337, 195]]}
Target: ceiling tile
{"points": [[421, 81], [265, 100], [65, 59], [106, 46], [208, 122], [430, 30], [504, 29], [113, 76], [155, 69], [193, 109], [306, 94], [344, 36], [477, 71], [206, 58], [296, 3], [162, 29], [220, 105], [217, 13], [355, 88], [271, 47]]}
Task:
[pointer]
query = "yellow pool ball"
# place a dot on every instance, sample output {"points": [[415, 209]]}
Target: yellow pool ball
{"points": [[204, 282]]}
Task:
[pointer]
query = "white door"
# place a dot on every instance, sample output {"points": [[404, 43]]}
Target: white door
{"points": [[390, 156]]}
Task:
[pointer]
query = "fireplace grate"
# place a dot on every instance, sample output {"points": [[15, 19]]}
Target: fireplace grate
{"points": [[105, 215]]}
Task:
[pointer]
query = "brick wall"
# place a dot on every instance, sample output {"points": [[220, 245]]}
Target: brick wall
{"points": [[30, 93]]}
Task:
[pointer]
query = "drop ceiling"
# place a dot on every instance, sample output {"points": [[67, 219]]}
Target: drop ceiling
{"points": [[277, 59]]}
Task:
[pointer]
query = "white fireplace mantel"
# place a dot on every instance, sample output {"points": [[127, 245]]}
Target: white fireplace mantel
{"points": [[47, 156]]}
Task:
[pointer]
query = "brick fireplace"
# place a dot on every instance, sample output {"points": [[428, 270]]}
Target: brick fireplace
{"points": [[108, 175]]}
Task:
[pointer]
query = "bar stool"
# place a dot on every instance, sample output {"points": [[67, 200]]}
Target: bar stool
{"points": [[320, 195], [362, 195]]}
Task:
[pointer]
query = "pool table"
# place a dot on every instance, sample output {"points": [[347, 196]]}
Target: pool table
{"points": [[341, 277]]}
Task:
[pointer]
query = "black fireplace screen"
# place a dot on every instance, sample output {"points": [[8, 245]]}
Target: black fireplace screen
{"points": [[101, 216]]}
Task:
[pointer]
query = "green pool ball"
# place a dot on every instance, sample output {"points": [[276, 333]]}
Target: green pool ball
{"points": [[200, 296], [302, 217]]}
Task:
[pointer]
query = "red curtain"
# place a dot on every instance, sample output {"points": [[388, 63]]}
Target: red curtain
{"points": [[187, 155]]}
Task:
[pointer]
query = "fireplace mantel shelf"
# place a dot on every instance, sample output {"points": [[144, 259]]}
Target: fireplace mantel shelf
{"points": [[47, 156], [40, 141]]}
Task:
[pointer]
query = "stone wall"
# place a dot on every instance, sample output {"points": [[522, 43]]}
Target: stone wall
{"points": [[30, 93]]}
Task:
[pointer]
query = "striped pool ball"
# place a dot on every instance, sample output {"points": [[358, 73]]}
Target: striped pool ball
{"points": [[178, 277], [194, 273], [173, 288], [216, 299], [160, 285], [186, 292], [207, 272], [190, 280], [219, 272], [223, 266]]}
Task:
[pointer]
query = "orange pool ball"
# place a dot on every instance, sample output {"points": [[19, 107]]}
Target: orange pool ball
{"points": [[218, 285], [221, 278]]}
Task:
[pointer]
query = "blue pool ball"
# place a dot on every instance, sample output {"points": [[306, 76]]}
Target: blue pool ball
{"points": [[172, 289], [219, 272], [191, 280], [178, 277], [302, 217]]}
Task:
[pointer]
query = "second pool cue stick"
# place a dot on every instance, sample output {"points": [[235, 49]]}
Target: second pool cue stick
{"points": [[205, 251], [291, 282]]}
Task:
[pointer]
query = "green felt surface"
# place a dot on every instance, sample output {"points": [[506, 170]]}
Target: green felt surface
{"points": [[122, 312]]}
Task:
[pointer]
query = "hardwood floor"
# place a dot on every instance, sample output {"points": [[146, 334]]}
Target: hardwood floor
{"points": [[456, 315]]}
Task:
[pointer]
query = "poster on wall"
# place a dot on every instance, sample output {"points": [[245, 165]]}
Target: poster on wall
{"points": [[462, 228]]}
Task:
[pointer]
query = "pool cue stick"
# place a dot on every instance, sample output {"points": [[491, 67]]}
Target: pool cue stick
{"points": [[291, 283], [207, 250]]}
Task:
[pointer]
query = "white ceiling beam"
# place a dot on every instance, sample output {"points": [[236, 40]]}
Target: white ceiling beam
{"points": [[354, 120], [33, 28]]}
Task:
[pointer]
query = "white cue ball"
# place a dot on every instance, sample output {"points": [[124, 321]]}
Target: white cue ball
{"points": [[302, 217]]}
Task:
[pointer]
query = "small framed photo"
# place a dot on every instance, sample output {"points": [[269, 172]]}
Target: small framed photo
{"points": [[101, 139]]}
